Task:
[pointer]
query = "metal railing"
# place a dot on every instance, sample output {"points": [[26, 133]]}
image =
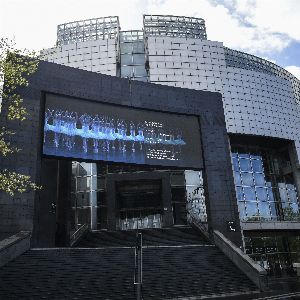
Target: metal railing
{"points": [[78, 234], [194, 221], [254, 271], [138, 266], [14, 246]]}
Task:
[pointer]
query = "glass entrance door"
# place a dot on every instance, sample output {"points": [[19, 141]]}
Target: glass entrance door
{"points": [[139, 218], [139, 204]]}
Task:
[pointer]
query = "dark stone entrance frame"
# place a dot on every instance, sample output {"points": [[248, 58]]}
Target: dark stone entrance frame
{"points": [[53, 78]]}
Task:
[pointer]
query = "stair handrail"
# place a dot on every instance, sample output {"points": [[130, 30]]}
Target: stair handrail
{"points": [[248, 266], [198, 224], [138, 266], [78, 234], [13, 246]]}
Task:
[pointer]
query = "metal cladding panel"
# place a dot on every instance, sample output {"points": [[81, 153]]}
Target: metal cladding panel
{"points": [[99, 56], [255, 103]]}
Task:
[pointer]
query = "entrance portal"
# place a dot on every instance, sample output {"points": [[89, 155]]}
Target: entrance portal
{"points": [[140, 199], [139, 203], [109, 196], [123, 197]]}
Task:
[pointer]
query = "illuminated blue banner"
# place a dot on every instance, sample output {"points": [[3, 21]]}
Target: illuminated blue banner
{"points": [[95, 131]]}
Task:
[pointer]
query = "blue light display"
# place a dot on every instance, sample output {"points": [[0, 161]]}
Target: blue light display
{"points": [[76, 128]]}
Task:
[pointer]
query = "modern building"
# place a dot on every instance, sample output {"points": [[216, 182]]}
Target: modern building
{"points": [[261, 104], [175, 130]]}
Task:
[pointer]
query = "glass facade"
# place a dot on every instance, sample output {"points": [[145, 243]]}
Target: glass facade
{"points": [[276, 253], [140, 220], [188, 198], [132, 55], [139, 202], [196, 206], [258, 97], [83, 195], [264, 184]]}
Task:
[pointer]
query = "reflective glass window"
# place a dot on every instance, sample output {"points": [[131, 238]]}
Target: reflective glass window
{"points": [[247, 179], [139, 59], [195, 195], [252, 209], [294, 207], [133, 54], [140, 71], [261, 193], [84, 169], [264, 209], [82, 183], [242, 209], [259, 179], [270, 194], [126, 47], [275, 254], [239, 192], [177, 179], [257, 165], [138, 47], [283, 195], [292, 195], [245, 164], [144, 79], [126, 59], [193, 177], [100, 183], [255, 156], [237, 178], [290, 186], [273, 209], [249, 193], [235, 162], [234, 155], [126, 71], [285, 205], [244, 155]]}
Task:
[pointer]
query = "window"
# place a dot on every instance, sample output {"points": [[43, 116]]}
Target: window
{"points": [[263, 192], [275, 253]]}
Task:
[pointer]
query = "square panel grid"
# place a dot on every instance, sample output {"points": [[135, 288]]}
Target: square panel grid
{"points": [[259, 197]]}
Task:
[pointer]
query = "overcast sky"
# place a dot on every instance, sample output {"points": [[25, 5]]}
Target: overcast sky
{"points": [[267, 28]]}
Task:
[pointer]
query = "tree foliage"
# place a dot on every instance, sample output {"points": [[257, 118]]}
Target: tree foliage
{"points": [[291, 214], [15, 67], [12, 182]]}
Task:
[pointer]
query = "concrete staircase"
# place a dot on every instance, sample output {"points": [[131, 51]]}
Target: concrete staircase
{"points": [[174, 236], [177, 264]]}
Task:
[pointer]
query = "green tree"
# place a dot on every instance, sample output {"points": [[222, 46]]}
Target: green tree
{"points": [[15, 67], [290, 214]]}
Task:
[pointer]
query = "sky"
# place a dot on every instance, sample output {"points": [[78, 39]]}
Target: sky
{"points": [[266, 28]]}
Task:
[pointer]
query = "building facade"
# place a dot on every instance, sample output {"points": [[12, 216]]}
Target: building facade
{"points": [[261, 103], [148, 156]]}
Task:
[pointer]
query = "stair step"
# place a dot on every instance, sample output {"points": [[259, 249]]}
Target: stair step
{"points": [[169, 272], [151, 237]]}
